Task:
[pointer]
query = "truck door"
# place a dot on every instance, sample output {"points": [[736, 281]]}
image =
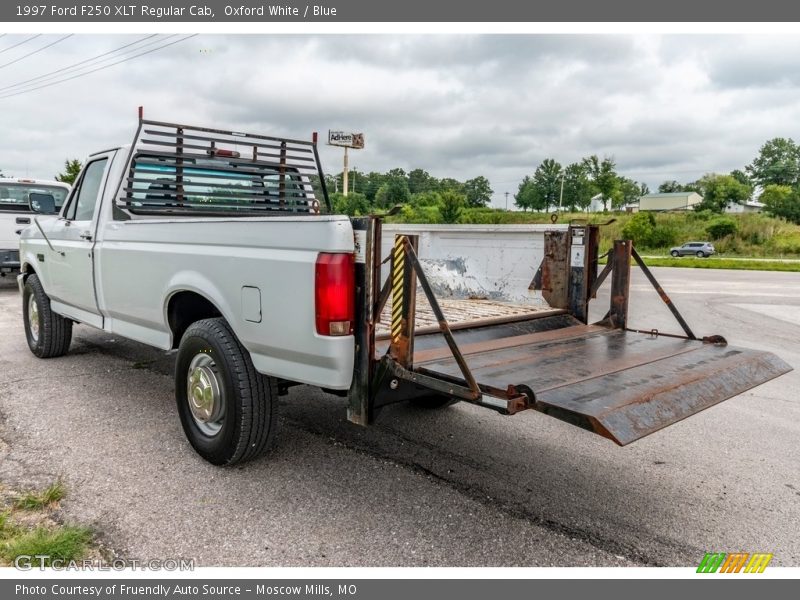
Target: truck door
{"points": [[72, 237]]}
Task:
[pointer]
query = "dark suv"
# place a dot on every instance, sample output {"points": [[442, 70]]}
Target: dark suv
{"points": [[701, 249]]}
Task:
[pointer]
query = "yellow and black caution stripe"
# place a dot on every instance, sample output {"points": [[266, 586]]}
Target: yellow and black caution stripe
{"points": [[398, 278]]}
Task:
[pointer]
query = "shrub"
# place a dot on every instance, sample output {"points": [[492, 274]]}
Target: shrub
{"points": [[662, 236], [786, 243], [719, 228], [640, 228], [451, 206]]}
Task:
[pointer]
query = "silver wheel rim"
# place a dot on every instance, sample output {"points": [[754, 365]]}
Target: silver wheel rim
{"points": [[204, 394], [33, 318]]}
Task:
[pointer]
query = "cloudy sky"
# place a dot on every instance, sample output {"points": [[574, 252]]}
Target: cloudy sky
{"points": [[665, 107]]}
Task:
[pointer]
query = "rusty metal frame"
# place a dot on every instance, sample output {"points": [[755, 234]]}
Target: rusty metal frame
{"points": [[672, 308], [412, 260], [619, 266]]}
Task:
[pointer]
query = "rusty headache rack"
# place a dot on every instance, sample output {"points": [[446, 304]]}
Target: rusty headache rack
{"points": [[178, 170], [619, 382]]}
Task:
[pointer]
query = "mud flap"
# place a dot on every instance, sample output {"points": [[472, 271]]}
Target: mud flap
{"points": [[622, 385]]}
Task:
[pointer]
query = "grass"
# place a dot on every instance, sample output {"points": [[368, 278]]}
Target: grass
{"points": [[65, 542], [723, 263], [48, 497], [28, 527], [757, 235]]}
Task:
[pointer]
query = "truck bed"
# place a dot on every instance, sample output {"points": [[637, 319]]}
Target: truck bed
{"points": [[460, 312]]}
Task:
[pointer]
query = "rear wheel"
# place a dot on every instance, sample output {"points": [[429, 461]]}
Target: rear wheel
{"points": [[675, 253], [48, 334], [700, 254], [227, 408]]}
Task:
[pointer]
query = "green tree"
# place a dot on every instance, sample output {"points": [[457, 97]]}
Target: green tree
{"points": [[448, 183], [354, 204], [719, 190], [478, 192], [578, 190], [421, 181], [526, 195], [72, 169], [742, 177], [428, 198], [374, 181], [644, 189], [451, 205], [605, 180], [394, 191], [547, 182], [777, 163], [629, 192], [782, 201], [670, 187]]}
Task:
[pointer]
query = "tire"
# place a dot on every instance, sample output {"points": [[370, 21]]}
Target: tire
{"points": [[700, 254], [433, 402], [48, 334], [240, 421], [675, 253]]}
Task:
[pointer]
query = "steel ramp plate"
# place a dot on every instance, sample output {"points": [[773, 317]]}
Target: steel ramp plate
{"points": [[621, 385]]}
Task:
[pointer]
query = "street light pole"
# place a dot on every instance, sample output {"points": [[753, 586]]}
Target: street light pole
{"points": [[506, 200], [345, 173]]}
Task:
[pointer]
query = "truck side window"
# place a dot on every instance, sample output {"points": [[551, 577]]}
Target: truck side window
{"points": [[82, 204]]}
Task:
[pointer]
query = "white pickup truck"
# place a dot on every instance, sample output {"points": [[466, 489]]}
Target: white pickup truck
{"points": [[213, 244], [19, 198]]}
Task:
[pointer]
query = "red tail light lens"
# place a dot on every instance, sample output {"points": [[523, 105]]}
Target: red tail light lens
{"points": [[335, 294]]}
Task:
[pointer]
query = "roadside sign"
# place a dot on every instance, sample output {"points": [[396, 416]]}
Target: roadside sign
{"points": [[346, 139]]}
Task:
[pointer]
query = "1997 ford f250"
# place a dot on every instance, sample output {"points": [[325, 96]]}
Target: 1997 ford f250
{"points": [[213, 244]]}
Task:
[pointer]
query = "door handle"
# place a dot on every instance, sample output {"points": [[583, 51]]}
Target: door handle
{"points": [[23, 221], [86, 235]]}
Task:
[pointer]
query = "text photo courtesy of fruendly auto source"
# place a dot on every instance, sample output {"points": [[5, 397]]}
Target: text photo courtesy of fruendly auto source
{"points": [[408, 300]]}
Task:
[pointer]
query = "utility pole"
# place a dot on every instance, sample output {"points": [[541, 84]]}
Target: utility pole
{"points": [[561, 195], [506, 200]]}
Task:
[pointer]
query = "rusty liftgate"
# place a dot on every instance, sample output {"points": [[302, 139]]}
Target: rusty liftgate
{"points": [[605, 377]]}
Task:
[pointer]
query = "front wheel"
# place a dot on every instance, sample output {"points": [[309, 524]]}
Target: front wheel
{"points": [[675, 253], [48, 334], [226, 407]]}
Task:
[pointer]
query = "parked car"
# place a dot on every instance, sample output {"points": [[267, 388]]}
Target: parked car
{"points": [[700, 249]]}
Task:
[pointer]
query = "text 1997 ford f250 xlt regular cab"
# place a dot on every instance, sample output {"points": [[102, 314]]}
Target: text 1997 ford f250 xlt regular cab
{"points": [[213, 244]]}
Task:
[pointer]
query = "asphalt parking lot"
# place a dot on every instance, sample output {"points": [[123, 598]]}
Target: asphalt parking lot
{"points": [[459, 487]]}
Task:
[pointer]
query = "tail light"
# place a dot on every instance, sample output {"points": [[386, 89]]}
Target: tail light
{"points": [[335, 294]]}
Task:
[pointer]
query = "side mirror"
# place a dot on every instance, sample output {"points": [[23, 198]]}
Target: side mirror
{"points": [[43, 204]]}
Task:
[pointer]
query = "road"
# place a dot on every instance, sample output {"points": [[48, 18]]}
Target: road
{"points": [[459, 487]]}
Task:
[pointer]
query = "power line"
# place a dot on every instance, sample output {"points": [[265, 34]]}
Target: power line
{"points": [[33, 37], [16, 60], [99, 68], [65, 70]]}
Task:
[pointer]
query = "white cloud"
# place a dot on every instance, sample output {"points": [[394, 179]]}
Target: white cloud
{"points": [[666, 107]]}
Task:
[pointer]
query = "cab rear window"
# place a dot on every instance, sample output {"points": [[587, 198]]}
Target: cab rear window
{"points": [[15, 196], [213, 186]]}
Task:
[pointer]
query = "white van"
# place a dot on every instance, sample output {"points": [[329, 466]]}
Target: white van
{"points": [[20, 200]]}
